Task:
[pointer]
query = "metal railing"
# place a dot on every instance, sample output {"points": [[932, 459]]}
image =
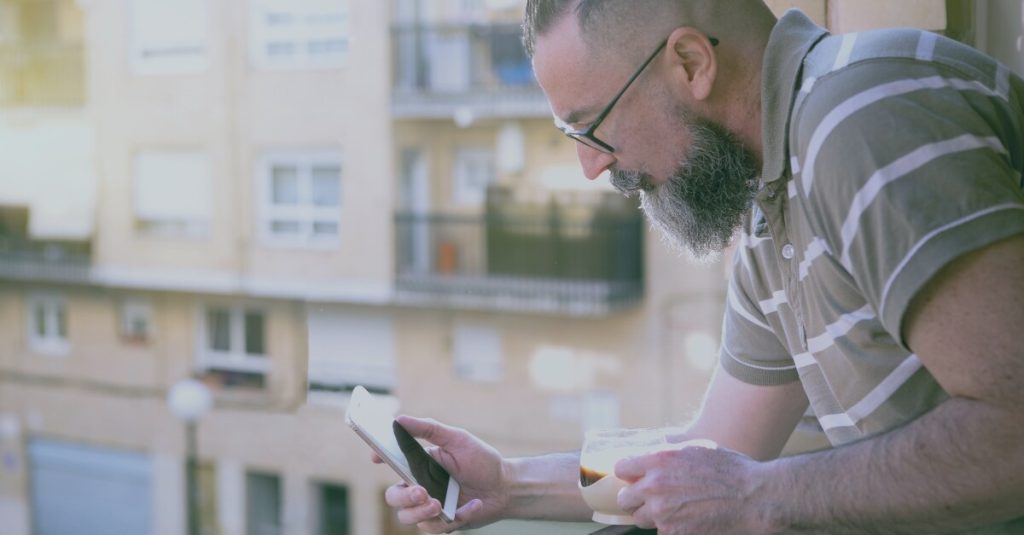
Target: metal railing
{"points": [[42, 74], [550, 260], [442, 68], [44, 261]]}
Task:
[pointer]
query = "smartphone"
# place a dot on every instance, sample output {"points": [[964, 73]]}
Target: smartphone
{"points": [[374, 423]]}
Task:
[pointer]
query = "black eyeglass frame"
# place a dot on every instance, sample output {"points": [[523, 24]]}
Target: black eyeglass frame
{"points": [[586, 136]]}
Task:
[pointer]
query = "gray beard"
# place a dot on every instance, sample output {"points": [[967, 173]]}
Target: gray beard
{"points": [[700, 206]]}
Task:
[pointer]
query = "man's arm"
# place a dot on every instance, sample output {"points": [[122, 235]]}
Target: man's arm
{"points": [[755, 420], [959, 466]]}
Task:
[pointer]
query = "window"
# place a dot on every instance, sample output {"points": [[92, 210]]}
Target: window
{"points": [[169, 36], [348, 349], [262, 504], [234, 345], [301, 199], [299, 33], [474, 171], [173, 193], [136, 321], [48, 324], [477, 353], [332, 509]]}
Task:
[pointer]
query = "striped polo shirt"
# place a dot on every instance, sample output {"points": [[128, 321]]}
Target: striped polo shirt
{"points": [[888, 154]]}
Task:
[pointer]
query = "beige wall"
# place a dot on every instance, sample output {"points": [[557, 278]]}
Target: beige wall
{"points": [[236, 113]]}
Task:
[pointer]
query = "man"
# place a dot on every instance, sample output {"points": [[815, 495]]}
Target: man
{"points": [[875, 181]]}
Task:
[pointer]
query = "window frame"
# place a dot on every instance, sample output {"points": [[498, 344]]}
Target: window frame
{"points": [[376, 368], [300, 35], [129, 308], [198, 228], [167, 65], [305, 213], [236, 358], [50, 343]]}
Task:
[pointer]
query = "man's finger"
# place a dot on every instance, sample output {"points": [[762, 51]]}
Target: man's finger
{"points": [[630, 499], [467, 511], [463, 516], [421, 513], [428, 429], [631, 469], [376, 458], [402, 496]]}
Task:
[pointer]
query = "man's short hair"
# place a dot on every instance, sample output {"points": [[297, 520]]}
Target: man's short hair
{"points": [[601, 22], [541, 14]]}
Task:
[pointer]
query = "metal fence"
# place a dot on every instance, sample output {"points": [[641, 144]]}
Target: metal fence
{"points": [[543, 259], [41, 261]]}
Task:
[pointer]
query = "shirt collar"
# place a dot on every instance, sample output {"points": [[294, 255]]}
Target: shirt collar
{"points": [[791, 39]]}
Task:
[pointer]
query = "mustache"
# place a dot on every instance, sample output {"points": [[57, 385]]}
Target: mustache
{"points": [[631, 182]]}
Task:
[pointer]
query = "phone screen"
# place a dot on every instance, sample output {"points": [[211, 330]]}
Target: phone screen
{"points": [[428, 473]]}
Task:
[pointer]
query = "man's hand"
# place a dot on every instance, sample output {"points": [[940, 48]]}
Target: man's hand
{"points": [[695, 491], [477, 467]]}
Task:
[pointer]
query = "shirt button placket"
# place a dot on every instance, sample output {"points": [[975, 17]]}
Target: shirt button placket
{"points": [[788, 251]]}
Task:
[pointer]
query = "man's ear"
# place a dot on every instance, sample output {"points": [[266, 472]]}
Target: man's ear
{"points": [[694, 55]]}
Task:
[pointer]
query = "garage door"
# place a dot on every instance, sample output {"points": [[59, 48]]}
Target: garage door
{"points": [[87, 490]]}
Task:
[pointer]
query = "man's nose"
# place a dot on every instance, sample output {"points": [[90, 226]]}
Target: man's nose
{"points": [[593, 161]]}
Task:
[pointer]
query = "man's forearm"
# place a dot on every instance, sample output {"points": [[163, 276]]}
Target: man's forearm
{"points": [[960, 466], [545, 488]]}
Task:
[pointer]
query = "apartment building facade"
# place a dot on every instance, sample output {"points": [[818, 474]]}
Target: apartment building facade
{"points": [[287, 198]]}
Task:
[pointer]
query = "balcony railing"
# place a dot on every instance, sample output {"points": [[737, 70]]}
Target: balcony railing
{"points": [[43, 261], [42, 74], [479, 70], [547, 261]]}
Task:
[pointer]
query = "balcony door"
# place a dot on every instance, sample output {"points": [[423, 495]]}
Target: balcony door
{"points": [[415, 198]]}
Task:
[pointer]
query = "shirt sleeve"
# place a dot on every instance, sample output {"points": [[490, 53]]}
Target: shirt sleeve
{"points": [[751, 351], [906, 174]]}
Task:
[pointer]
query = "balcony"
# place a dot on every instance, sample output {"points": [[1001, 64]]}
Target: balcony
{"points": [[42, 75], [463, 71], [545, 259], [21, 260]]}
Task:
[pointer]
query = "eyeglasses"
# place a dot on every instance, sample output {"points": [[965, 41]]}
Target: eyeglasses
{"points": [[586, 136]]}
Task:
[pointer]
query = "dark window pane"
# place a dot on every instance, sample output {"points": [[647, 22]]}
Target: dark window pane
{"points": [[280, 49], [218, 329], [284, 185], [284, 227], [327, 185], [254, 335], [325, 228], [39, 311], [333, 510], [62, 320], [263, 504]]}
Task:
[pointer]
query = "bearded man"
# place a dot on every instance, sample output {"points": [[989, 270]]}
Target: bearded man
{"points": [[875, 183]]}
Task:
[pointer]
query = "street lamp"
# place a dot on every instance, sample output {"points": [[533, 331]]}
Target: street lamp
{"points": [[189, 400]]}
